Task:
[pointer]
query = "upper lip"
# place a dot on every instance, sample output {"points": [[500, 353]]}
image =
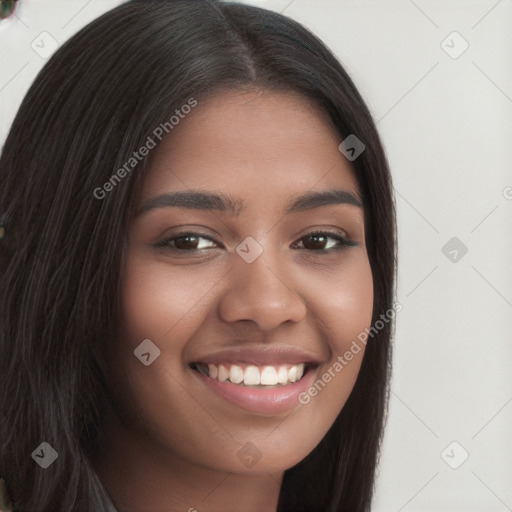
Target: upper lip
{"points": [[259, 356]]}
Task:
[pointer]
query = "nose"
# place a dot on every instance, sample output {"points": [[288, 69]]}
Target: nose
{"points": [[263, 292]]}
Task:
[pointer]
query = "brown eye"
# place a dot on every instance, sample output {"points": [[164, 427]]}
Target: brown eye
{"points": [[317, 241], [186, 242]]}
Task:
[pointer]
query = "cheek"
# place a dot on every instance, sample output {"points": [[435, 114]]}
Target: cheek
{"points": [[160, 306], [165, 307], [344, 303], [159, 303], [344, 308]]}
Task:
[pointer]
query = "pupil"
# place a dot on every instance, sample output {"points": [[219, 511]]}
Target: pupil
{"points": [[318, 240], [184, 241]]}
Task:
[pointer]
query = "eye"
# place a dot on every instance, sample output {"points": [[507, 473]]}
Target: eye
{"points": [[186, 242], [319, 239]]}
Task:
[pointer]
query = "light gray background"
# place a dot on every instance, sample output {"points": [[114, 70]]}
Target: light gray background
{"points": [[446, 125]]}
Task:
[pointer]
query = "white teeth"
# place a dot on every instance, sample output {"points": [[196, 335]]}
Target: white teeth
{"points": [[252, 376], [282, 375], [212, 370], [223, 374], [236, 374], [269, 376], [256, 376]]}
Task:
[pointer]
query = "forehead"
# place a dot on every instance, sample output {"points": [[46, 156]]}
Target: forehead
{"points": [[263, 145]]}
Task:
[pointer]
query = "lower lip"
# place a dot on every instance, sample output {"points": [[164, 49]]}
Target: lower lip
{"points": [[262, 401]]}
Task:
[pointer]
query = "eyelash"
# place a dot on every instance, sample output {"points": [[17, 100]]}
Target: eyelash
{"points": [[343, 242]]}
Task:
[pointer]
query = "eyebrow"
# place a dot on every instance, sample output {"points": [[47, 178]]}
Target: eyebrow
{"points": [[200, 200]]}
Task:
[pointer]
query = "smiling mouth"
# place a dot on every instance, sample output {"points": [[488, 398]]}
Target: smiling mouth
{"points": [[262, 377]]}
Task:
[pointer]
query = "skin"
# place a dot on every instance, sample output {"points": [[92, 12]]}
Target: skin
{"points": [[171, 443]]}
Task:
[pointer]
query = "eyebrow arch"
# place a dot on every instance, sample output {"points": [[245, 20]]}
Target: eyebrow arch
{"points": [[200, 200], [328, 197]]}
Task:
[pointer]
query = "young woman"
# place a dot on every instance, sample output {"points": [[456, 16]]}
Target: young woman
{"points": [[198, 265]]}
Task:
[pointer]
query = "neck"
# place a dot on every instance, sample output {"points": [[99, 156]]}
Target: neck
{"points": [[140, 476]]}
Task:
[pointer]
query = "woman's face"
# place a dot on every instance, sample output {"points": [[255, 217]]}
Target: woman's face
{"points": [[270, 278]]}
